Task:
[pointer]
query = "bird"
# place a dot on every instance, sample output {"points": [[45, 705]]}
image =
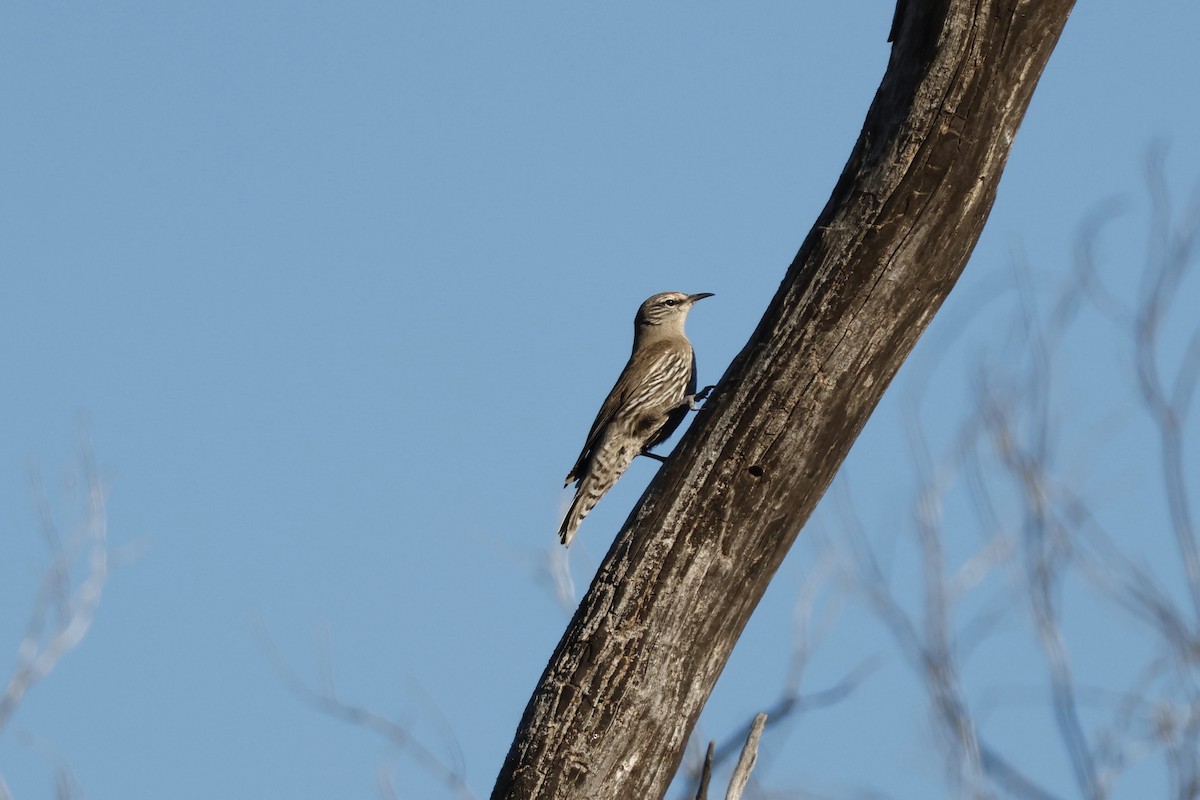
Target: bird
{"points": [[650, 398]]}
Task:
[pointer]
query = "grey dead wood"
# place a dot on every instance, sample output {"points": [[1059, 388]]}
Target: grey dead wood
{"points": [[706, 772], [746, 762], [612, 713]]}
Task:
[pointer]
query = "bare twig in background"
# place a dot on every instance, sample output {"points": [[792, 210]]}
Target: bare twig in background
{"points": [[65, 605], [1043, 539], [554, 571], [325, 699], [550, 568], [1171, 250], [385, 777], [66, 785]]}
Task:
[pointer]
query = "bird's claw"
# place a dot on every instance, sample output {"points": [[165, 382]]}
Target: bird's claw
{"points": [[699, 397]]}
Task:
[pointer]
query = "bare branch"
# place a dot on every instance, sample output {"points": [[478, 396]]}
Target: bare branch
{"points": [[741, 773], [1170, 252], [73, 608]]}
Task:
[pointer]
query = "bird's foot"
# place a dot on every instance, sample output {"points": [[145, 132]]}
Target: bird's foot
{"points": [[694, 400]]}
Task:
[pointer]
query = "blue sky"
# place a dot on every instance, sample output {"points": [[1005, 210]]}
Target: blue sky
{"points": [[336, 290]]}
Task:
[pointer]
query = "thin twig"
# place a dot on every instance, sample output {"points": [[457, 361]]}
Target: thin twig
{"points": [[706, 772]]}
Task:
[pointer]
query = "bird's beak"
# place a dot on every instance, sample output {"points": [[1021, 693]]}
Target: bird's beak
{"points": [[692, 298]]}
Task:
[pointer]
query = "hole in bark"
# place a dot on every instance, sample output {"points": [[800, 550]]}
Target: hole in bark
{"points": [[756, 471]]}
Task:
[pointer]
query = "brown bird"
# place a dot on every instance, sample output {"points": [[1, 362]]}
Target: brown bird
{"points": [[651, 397]]}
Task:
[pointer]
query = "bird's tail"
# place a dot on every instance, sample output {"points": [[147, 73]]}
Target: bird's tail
{"points": [[601, 474], [579, 509]]}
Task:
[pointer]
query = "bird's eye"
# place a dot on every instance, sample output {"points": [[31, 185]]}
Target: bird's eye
{"points": [[669, 302]]}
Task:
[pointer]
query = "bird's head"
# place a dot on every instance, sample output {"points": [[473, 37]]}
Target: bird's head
{"points": [[666, 311]]}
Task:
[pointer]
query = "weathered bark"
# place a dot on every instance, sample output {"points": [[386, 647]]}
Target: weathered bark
{"points": [[612, 713]]}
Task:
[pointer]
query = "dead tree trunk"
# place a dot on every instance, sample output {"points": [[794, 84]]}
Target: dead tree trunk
{"points": [[611, 715]]}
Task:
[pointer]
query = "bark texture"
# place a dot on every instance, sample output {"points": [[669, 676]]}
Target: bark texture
{"points": [[612, 713]]}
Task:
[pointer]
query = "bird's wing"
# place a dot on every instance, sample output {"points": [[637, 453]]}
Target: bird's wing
{"points": [[640, 385], [677, 415], [607, 411]]}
